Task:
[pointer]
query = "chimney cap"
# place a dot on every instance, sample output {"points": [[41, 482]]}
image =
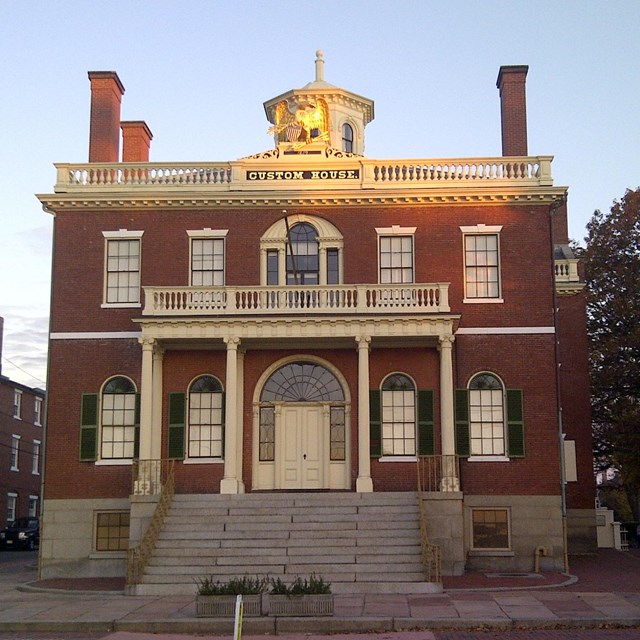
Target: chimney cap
{"points": [[137, 124], [106, 75], [520, 69]]}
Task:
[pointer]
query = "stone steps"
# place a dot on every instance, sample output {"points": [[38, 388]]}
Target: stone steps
{"points": [[357, 542]]}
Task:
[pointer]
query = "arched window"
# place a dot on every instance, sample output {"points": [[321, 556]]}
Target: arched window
{"points": [[119, 419], [347, 137], [205, 418], [398, 416], [486, 416], [303, 265]]}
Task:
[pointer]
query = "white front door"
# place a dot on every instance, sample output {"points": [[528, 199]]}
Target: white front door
{"points": [[302, 439]]}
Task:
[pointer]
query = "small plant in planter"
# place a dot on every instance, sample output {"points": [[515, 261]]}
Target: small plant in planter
{"points": [[303, 597], [215, 598]]}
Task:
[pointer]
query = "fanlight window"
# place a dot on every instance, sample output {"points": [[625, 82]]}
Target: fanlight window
{"points": [[302, 382]]}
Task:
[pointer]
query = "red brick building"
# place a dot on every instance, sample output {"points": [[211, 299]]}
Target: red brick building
{"points": [[21, 438], [311, 320]]}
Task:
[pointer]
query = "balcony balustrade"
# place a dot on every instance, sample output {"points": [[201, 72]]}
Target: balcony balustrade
{"points": [[297, 300], [270, 172]]}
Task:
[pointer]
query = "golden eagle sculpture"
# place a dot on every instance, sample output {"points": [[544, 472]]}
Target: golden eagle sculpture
{"points": [[301, 122]]}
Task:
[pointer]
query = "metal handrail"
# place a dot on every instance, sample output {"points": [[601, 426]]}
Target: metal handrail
{"points": [[138, 557], [431, 553]]}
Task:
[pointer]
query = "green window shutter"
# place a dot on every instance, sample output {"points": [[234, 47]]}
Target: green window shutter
{"points": [[375, 427], [176, 426], [515, 424], [136, 435], [89, 427], [426, 436], [462, 422], [224, 412]]}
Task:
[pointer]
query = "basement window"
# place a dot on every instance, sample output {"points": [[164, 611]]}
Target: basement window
{"points": [[112, 531], [490, 529]]}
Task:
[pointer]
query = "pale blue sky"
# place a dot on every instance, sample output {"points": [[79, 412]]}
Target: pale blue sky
{"points": [[198, 72]]}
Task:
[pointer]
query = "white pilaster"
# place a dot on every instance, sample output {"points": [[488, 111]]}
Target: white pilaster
{"points": [[364, 483], [156, 409], [450, 481], [229, 483], [146, 399], [240, 420]]}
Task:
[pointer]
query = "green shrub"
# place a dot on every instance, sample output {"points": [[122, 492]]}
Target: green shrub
{"points": [[313, 585], [245, 586]]}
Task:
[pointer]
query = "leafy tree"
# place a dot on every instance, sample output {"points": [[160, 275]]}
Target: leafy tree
{"points": [[612, 265]]}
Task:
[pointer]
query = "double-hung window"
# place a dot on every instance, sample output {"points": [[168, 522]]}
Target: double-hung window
{"points": [[207, 257], [17, 404], [15, 452], [122, 268], [206, 408], [119, 419], [482, 282], [396, 255], [37, 412]]}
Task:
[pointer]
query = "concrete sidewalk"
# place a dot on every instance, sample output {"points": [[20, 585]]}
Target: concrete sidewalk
{"points": [[605, 589]]}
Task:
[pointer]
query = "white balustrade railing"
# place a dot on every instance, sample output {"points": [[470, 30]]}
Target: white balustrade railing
{"points": [[362, 173], [567, 270], [318, 299]]}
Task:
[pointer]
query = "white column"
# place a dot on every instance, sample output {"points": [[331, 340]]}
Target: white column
{"points": [[322, 265], [240, 420], [450, 481], [146, 399], [229, 483], [364, 483], [156, 409]]}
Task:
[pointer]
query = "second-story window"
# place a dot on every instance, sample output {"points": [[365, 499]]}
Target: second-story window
{"points": [[38, 412], [15, 452], [482, 263], [35, 467], [122, 268], [396, 255], [17, 404], [302, 255], [207, 257]]}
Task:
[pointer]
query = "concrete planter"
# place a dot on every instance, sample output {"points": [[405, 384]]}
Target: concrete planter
{"points": [[301, 605], [225, 606]]}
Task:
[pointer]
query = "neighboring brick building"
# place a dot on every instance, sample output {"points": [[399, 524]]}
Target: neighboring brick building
{"points": [[21, 438], [311, 319]]}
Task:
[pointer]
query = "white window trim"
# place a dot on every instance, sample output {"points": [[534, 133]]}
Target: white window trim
{"points": [[488, 459], [114, 462], [35, 471], [388, 458], [121, 234], [476, 230], [17, 404], [188, 460], [205, 234], [37, 402], [15, 446], [12, 496], [36, 499], [397, 230]]}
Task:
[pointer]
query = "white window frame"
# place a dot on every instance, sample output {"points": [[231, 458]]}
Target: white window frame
{"points": [[481, 229], [208, 234], [15, 452], [484, 457], [37, 410], [33, 506], [17, 404], [12, 506], [35, 466], [101, 439], [398, 457], [275, 239], [192, 426], [490, 550], [393, 232], [121, 234]]}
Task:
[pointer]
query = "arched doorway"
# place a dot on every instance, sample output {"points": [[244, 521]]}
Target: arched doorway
{"points": [[300, 431]]}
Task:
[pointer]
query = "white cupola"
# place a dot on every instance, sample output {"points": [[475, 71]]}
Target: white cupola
{"points": [[319, 115]]}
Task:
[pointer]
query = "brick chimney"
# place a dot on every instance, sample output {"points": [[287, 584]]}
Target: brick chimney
{"points": [[136, 140], [104, 130], [513, 104]]}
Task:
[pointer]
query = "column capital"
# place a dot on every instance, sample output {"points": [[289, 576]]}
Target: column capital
{"points": [[147, 343], [232, 342], [446, 342], [363, 342]]}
